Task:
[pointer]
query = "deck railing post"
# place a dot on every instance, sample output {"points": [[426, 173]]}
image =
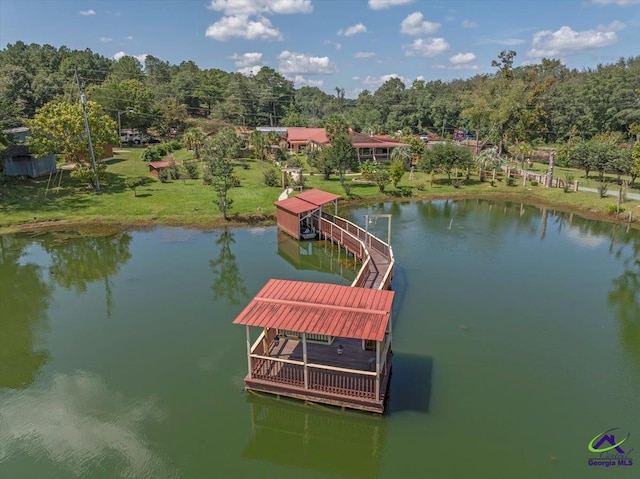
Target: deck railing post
{"points": [[304, 360], [377, 370], [249, 351]]}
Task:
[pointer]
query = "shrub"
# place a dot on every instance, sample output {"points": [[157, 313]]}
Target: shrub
{"points": [[294, 162], [174, 145], [346, 186], [533, 182], [163, 175], [420, 186], [382, 178], [568, 182], [271, 177], [192, 169], [603, 187], [511, 181], [234, 181], [458, 182], [613, 209], [150, 154]]}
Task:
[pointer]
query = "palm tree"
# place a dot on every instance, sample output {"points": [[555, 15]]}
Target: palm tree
{"points": [[488, 159], [194, 139]]}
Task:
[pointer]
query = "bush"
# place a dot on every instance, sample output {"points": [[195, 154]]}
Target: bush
{"points": [[150, 154], [192, 168], [346, 186], [420, 186], [533, 182], [613, 209], [234, 181], [294, 162], [568, 182], [271, 177], [510, 182], [174, 145], [458, 182], [603, 187]]}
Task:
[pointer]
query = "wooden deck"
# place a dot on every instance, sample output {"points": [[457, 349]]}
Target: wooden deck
{"points": [[352, 357], [349, 379], [336, 388]]}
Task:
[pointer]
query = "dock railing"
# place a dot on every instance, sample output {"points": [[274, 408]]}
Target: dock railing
{"points": [[339, 230]]}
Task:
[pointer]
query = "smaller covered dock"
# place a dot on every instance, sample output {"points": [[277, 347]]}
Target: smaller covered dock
{"points": [[303, 212], [320, 342]]}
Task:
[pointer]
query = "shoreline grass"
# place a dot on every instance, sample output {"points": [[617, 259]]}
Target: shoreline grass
{"points": [[27, 205]]}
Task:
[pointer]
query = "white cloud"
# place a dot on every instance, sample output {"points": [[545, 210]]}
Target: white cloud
{"points": [[299, 63], [129, 37], [563, 41], [462, 66], [240, 26], [430, 47], [301, 81], [248, 59], [250, 71], [364, 54], [382, 4], [255, 7], [509, 42], [141, 58], [461, 58], [60, 422], [336, 45], [614, 26], [106, 39], [353, 30], [376, 82], [87, 12], [621, 3], [469, 24], [415, 25]]}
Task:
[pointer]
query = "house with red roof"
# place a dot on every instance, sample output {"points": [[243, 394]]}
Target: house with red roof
{"points": [[368, 147]]}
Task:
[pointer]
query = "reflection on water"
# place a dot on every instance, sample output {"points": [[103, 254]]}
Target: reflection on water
{"points": [[317, 256], [316, 438], [24, 301], [79, 425], [228, 282]]}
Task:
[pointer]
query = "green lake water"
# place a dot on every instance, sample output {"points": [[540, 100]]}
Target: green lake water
{"points": [[516, 342]]}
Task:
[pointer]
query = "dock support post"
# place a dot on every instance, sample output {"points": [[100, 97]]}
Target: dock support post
{"points": [[304, 360], [377, 370], [249, 351]]}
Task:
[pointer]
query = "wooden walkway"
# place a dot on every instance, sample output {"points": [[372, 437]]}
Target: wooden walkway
{"points": [[376, 255]]}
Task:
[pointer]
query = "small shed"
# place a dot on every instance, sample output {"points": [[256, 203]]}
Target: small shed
{"points": [[18, 161], [303, 210], [156, 166]]}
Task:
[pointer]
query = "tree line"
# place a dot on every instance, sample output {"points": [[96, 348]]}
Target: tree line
{"points": [[538, 103]]}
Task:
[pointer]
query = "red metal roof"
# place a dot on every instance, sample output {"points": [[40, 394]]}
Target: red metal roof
{"points": [[317, 197], [303, 135], [295, 205], [320, 308]]}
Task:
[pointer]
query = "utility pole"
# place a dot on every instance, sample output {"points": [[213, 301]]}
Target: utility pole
{"points": [[83, 102]]}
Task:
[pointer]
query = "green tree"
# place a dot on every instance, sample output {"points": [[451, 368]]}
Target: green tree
{"points": [[446, 157], [59, 127], [223, 148], [635, 162], [169, 118], [396, 172], [194, 139]]}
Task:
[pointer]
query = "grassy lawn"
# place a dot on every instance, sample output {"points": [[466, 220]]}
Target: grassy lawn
{"points": [[27, 202]]}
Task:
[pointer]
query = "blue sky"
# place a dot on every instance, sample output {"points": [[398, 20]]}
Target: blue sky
{"points": [[351, 44]]}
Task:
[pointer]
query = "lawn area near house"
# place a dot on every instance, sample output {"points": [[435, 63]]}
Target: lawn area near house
{"points": [[28, 202]]}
